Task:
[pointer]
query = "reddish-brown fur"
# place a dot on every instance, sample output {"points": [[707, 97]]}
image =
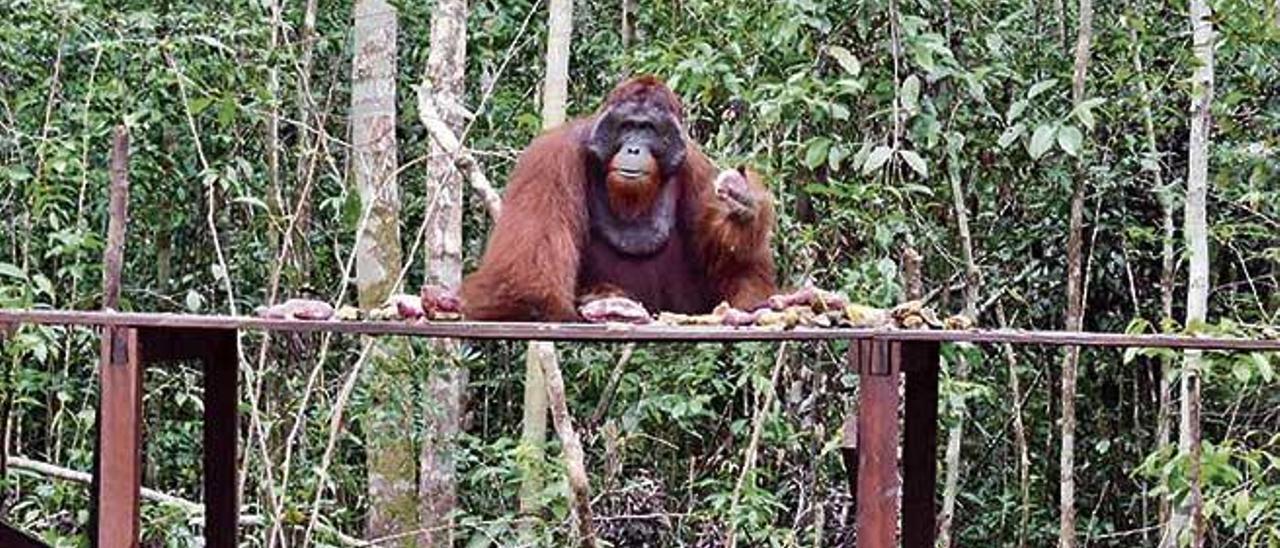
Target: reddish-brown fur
{"points": [[628, 199], [541, 255]]}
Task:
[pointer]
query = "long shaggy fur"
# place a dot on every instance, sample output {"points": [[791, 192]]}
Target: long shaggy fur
{"points": [[541, 257]]}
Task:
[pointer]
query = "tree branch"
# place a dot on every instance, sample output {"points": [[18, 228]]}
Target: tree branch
{"points": [[195, 508], [443, 136]]}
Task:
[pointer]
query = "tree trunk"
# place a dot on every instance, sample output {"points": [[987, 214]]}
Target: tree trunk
{"points": [[534, 427], [579, 483], [444, 81], [973, 283], [1060, 8], [1019, 432], [542, 355], [275, 199], [1189, 517], [1164, 413], [392, 461], [629, 9], [1075, 297], [308, 126], [555, 90]]}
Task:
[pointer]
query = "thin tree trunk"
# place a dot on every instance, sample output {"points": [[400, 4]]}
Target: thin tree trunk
{"points": [[445, 82], [393, 500], [1075, 297], [1164, 418], [579, 483], [308, 143], [555, 90], [275, 195], [533, 433], [629, 9], [751, 456], [1019, 432], [973, 283], [1060, 8], [541, 356], [118, 220], [1190, 513]]}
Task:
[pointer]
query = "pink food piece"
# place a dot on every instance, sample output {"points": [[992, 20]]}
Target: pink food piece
{"points": [[298, 309], [740, 318], [439, 299], [615, 309], [808, 296], [408, 306]]}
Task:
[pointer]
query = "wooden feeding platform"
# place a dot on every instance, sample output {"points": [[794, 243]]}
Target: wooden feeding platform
{"points": [[893, 494]]}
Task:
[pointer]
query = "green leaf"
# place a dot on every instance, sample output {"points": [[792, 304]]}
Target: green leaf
{"points": [[1070, 139], [816, 153], [1086, 117], [19, 173], [1015, 110], [836, 156], [1041, 140], [845, 59], [1129, 355], [839, 112], [198, 104], [12, 271], [252, 202], [916, 162], [227, 110], [1095, 102], [43, 284], [194, 301], [1242, 372], [1011, 134], [911, 94], [877, 159], [1041, 87]]}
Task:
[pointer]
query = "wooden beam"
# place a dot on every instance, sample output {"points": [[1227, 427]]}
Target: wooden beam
{"points": [[879, 485], [920, 444], [648, 333], [13, 538], [119, 472], [221, 434]]}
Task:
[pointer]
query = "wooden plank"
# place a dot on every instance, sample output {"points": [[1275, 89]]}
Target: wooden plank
{"points": [[221, 433], [13, 538], [920, 444], [119, 450], [4, 422], [650, 333], [879, 485], [166, 344]]}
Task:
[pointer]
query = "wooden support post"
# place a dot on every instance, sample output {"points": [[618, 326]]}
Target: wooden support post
{"points": [[119, 456], [879, 485], [221, 432], [216, 350], [5, 397], [920, 446], [112, 265], [13, 538]]}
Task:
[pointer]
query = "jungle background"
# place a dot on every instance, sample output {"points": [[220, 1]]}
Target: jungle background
{"points": [[1036, 160]]}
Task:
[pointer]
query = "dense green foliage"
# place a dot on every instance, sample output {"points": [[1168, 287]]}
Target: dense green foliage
{"points": [[804, 89]]}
